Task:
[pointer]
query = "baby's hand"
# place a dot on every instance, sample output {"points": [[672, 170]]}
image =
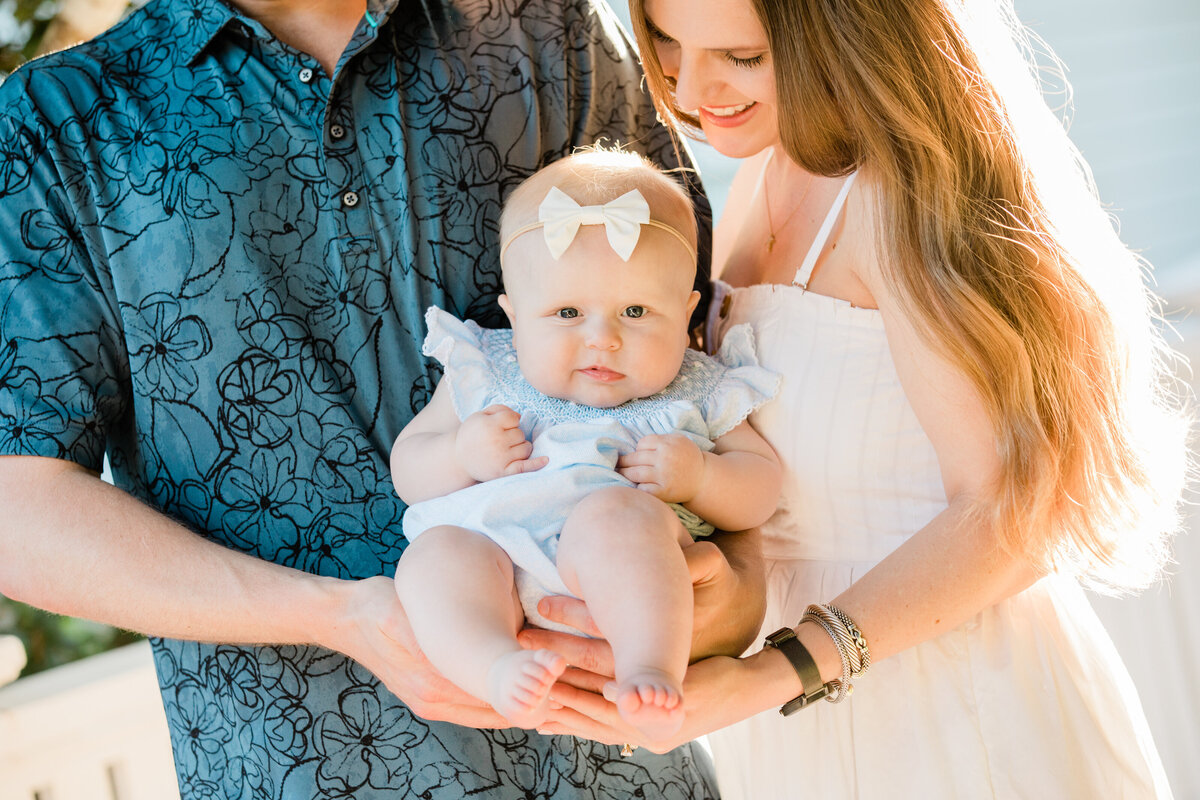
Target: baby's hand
{"points": [[670, 467], [490, 444]]}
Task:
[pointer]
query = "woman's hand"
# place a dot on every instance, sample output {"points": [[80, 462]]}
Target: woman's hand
{"points": [[717, 692]]}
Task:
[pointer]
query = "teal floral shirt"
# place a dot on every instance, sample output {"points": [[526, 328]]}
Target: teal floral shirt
{"points": [[214, 260]]}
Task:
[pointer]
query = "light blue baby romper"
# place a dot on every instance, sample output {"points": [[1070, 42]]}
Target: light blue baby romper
{"points": [[525, 513]]}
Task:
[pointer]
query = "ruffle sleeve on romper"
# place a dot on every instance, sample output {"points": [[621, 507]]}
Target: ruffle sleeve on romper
{"points": [[458, 347], [745, 385]]}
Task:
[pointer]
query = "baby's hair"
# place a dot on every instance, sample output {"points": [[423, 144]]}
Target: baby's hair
{"points": [[596, 175]]}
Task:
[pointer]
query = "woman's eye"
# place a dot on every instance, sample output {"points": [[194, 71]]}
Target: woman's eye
{"points": [[568, 313], [748, 63], [635, 311], [658, 35]]}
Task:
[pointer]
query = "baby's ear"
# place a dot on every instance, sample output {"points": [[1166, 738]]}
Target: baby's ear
{"points": [[507, 306], [693, 301]]}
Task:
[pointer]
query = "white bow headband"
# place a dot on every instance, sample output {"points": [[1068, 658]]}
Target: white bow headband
{"points": [[559, 217]]}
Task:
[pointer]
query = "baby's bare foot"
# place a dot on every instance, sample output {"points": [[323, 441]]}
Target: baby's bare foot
{"points": [[652, 701], [519, 685]]}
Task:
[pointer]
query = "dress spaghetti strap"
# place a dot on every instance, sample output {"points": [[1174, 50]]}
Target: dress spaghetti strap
{"points": [[804, 274]]}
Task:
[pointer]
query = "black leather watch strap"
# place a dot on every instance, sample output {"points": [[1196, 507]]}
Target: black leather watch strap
{"points": [[784, 640]]}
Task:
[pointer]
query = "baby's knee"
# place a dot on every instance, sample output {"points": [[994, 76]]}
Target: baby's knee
{"points": [[442, 545], [624, 508]]}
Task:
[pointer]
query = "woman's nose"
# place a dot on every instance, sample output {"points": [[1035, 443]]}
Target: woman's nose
{"points": [[691, 80]]}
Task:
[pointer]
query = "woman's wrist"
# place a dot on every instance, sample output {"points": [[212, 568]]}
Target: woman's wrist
{"points": [[776, 678], [822, 648]]}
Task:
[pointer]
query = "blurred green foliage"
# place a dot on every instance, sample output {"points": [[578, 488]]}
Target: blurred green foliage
{"points": [[51, 640], [22, 29]]}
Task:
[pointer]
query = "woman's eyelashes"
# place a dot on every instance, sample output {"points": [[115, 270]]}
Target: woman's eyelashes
{"points": [[746, 62]]}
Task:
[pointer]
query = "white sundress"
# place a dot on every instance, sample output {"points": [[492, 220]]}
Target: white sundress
{"points": [[1027, 700], [525, 513]]}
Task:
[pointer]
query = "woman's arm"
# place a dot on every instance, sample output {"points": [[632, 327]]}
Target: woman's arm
{"points": [[948, 571]]}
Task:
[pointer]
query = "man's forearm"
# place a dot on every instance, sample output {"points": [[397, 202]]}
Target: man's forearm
{"points": [[72, 544]]}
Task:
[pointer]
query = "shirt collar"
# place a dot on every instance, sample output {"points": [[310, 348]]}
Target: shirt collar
{"points": [[197, 22]]}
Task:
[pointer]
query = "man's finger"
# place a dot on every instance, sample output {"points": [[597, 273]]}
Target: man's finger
{"points": [[592, 655], [704, 561], [582, 679], [568, 722], [569, 611]]}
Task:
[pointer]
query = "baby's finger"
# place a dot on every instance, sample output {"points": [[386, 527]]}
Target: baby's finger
{"points": [[523, 465], [637, 474], [519, 447], [638, 458], [504, 415], [652, 441]]}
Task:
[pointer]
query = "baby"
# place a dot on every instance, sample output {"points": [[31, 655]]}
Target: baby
{"points": [[580, 451]]}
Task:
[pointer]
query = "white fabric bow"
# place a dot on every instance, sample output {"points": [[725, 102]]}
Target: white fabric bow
{"points": [[622, 219]]}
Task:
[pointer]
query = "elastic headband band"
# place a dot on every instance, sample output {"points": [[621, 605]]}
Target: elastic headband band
{"points": [[559, 217]]}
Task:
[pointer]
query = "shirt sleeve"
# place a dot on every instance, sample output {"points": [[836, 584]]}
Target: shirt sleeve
{"points": [[62, 379]]}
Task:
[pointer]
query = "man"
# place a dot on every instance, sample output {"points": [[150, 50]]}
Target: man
{"points": [[219, 228]]}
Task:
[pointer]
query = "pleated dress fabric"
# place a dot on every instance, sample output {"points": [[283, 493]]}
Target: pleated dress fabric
{"points": [[1029, 699]]}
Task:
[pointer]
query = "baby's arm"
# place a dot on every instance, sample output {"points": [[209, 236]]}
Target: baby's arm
{"points": [[436, 454], [734, 487]]}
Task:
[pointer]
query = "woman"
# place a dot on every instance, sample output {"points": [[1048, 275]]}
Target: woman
{"points": [[973, 418]]}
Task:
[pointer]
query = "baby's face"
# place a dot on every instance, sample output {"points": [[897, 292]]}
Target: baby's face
{"points": [[593, 329]]}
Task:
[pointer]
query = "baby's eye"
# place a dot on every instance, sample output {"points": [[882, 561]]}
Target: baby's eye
{"points": [[568, 313], [635, 311]]}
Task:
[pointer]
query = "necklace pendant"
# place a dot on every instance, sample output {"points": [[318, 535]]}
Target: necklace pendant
{"points": [[771, 243]]}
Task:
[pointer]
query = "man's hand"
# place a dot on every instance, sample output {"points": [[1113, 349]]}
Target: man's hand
{"points": [[490, 444], [374, 631], [668, 466]]}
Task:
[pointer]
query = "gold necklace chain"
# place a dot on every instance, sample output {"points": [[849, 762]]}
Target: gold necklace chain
{"points": [[784, 224]]}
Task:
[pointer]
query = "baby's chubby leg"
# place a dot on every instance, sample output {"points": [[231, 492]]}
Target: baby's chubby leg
{"points": [[621, 551], [457, 589]]}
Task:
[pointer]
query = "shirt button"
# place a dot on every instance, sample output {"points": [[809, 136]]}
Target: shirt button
{"points": [[350, 199], [337, 132], [305, 75]]}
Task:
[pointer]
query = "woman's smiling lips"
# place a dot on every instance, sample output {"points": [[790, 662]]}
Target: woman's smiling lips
{"points": [[603, 374], [727, 116]]}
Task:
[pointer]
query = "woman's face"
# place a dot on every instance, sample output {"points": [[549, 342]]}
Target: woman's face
{"points": [[716, 51]]}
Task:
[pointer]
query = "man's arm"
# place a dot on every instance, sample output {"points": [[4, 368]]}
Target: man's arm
{"points": [[72, 544]]}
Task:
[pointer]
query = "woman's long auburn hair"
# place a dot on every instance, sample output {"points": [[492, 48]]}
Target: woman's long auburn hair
{"points": [[991, 231]]}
